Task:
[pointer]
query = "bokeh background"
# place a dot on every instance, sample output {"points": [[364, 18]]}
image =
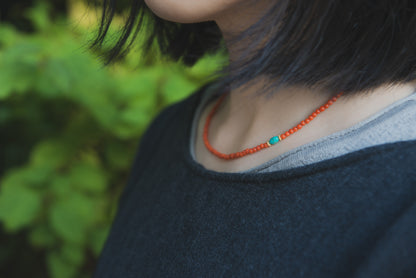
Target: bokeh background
{"points": [[69, 129]]}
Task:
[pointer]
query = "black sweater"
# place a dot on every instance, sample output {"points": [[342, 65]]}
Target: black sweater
{"points": [[351, 216]]}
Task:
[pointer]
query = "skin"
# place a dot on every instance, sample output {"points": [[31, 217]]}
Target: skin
{"points": [[221, 11], [243, 121]]}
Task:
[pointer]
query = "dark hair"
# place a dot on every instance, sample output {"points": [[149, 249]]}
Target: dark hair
{"points": [[337, 45]]}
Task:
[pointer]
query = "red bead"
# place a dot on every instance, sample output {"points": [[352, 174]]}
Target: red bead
{"points": [[263, 145]]}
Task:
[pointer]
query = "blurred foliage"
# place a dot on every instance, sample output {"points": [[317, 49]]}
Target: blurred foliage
{"points": [[70, 128]]}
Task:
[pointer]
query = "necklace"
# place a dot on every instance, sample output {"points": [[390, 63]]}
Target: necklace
{"points": [[272, 141]]}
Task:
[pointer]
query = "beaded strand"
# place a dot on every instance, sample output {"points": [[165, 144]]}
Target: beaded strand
{"points": [[272, 141]]}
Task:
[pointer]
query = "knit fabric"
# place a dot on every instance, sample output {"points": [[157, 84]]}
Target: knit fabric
{"points": [[349, 216], [391, 124]]}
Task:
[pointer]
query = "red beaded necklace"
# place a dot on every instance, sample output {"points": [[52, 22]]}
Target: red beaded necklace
{"points": [[272, 141]]}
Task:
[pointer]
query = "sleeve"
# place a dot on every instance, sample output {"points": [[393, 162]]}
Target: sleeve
{"points": [[394, 254]]}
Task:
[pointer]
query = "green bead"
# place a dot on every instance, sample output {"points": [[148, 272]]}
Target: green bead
{"points": [[274, 140]]}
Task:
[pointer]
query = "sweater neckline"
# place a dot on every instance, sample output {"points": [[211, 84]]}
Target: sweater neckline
{"points": [[321, 166]]}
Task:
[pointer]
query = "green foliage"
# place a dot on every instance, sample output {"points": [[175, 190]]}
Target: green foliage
{"points": [[76, 126], [19, 205]]}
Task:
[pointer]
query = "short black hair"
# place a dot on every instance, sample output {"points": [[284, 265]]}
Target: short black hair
{"points": [[338, 45]]}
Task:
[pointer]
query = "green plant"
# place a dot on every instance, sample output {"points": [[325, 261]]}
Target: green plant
{"points": [[74, 126]]}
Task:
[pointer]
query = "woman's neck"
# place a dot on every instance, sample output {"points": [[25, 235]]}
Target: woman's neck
{"points": [[245, 119], [249, 105]]}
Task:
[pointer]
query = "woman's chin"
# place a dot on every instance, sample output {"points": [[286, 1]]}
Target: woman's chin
{"points": [[190, 11], [178, 11]]}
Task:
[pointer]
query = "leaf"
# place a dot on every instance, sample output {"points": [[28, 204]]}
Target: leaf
{"points": [[208, 66], [51, 153], [7, 87], [41, 236], [98, 239], [119, 155], [27, 176], [8, 35], [176, 88], [54, 78], [136, 119], [18, 67], [61, 186], [70, 218], [39, 15], [88, 177], [19, 206], [60, 268], [72, 253]]}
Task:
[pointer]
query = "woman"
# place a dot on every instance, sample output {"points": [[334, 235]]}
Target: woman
{"points": [[298, 162]]}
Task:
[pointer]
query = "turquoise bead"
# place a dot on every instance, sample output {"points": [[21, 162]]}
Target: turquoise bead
{"points": [[274, 140]]}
